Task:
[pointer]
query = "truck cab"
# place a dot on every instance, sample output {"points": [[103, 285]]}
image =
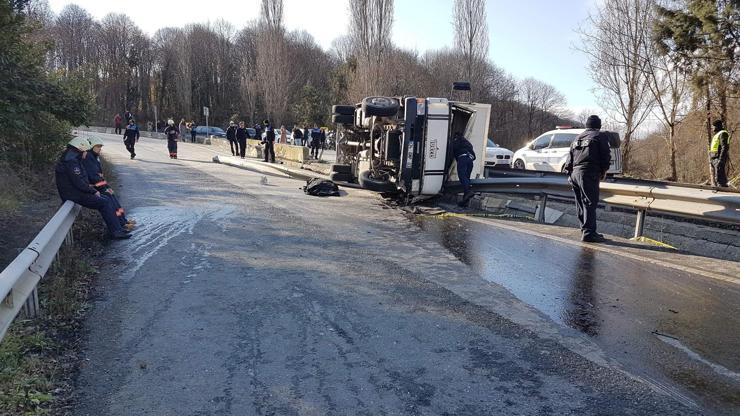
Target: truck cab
{"points": [[404, 144]]}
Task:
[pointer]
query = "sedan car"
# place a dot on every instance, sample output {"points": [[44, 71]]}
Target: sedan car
{"points": [[497, 157], [212, 131]]}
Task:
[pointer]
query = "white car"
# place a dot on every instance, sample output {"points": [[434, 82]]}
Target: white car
{"points": [[549, 151], [497, 157]]}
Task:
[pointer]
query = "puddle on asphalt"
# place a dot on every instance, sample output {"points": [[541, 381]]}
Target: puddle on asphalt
{"points": [[156, 226]]}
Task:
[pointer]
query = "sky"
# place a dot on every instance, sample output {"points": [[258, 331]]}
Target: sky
{"points": [[528, 38]]}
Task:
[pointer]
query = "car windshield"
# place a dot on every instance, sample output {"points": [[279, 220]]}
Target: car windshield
{"points": [[491, 143], [215, 130]]}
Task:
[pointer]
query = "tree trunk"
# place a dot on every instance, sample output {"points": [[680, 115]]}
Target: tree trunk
{"points": [[672, 150]]}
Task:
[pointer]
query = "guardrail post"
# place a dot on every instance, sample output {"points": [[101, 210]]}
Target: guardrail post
{"points": [[640, 223], [31, 307], [541, 208]]}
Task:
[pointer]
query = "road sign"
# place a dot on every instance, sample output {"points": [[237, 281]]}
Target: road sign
{"points": [[205, 111]]}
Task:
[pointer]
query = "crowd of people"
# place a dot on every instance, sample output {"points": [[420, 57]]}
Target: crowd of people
{"points": [[237, 134]]}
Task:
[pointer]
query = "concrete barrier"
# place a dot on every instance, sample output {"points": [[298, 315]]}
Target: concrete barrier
{"points": [[255, 149]]}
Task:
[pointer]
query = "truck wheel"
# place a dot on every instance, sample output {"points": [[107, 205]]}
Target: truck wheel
{"points": [[341, 169], [518, 164], [380, 106], [342, 119], [340, 177], [377, 185], [343, 110]]}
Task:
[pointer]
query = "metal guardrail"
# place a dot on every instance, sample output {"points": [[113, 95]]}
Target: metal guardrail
{"points": [[19, 280], [643, 196]]}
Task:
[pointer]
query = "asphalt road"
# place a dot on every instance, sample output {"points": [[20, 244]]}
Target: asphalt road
{"points": [[238, 298]]}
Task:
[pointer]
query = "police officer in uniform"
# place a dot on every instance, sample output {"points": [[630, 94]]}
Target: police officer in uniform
{"points": [[231, 137], [73, 185], [172, 134], [587, 164], [95, 176], [464, 154], [269, 142], [130, 137], [719, 151]]}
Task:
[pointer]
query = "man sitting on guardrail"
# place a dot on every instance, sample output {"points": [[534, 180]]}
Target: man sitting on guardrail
{"points": [[587, 163], [95, 175], [73, 185]]}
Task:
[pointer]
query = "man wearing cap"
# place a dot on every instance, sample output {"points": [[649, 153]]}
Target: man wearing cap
{"points": [[587, 164], [269, 142], [719, 151], [231, 137], [94, 169], [73, 185], [173, 135]]}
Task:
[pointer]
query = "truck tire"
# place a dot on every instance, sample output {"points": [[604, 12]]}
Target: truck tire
{"points": [[380, 106], [377, 185], [341, 169], [340, 177], [342, 119], [343, 110]]}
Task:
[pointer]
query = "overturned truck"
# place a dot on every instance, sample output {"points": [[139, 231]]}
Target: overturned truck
{"points": [[404, 144]]}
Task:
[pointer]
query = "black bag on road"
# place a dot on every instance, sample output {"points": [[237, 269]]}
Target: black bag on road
{"points": [[321, 187]]}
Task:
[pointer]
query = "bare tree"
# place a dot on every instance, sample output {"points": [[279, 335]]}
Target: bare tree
{"points": [[619, 31], [541, 101], [471, 38], [371, 22], [669, 84], [272, 59]]}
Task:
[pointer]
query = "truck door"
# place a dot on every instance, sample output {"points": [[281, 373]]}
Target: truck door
{"points": [[434, 150]]}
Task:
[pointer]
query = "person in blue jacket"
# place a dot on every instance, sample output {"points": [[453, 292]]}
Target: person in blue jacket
{"points": [[95, 175], [73, 185], [131, 136]]}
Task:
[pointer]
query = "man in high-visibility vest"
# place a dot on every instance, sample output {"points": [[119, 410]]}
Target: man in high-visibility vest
{"points": [[719, 152]]}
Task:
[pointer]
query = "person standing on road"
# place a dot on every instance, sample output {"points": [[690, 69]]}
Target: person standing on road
{"points": [[192, 131], [297, 136], [128, 116], [719, 151], [72, 185], [464, 154], [315, 142], [283, 135], [269, 142], [131, 137], [117, 121], [586, 166], [94, 169], [172, 134], [241, 138], [231, 137]]}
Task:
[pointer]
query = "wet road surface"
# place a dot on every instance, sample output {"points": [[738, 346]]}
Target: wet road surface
{"points": [[677, 329], [236, 298]]}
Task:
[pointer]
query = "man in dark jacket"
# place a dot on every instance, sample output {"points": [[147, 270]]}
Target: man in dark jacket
{"points": [[94, 169], [297, 137], [587, 164], [241, 139], [73, 185], [131, 136], [719, 152], [192, 132], [269, 142], [173, 135], [464, 154], [231, 137]]}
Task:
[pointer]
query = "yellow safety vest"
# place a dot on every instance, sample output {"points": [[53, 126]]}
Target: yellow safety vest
{"points": [[714, 145]]}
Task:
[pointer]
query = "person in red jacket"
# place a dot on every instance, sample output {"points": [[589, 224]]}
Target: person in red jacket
{"points": [[117, 120]]}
